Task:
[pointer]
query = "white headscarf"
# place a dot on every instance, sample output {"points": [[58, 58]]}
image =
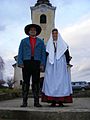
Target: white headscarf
{"points": [[61, 48]]}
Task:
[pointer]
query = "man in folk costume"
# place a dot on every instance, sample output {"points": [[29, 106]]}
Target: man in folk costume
{"points": [[57, 82], [31, 54]]}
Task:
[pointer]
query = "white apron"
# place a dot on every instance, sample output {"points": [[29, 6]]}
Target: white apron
{"points": [[57, 81]]}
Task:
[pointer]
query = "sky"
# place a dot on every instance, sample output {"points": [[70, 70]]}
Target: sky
{"points": [[72, 18]]}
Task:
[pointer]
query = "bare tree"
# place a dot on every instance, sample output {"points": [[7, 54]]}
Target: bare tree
{"points": [[10, 82], [2, 82]]}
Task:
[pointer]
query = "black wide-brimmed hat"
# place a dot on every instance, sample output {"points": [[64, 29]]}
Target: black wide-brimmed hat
{"points": [[27, 29]]}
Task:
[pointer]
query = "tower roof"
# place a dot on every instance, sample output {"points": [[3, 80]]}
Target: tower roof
{"points": [[39, 2]]}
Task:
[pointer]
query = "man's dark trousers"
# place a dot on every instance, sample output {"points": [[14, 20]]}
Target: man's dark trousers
{"points": [[31, 68]]}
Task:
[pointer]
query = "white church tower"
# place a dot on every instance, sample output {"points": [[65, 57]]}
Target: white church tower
{"points": [[43, 14]]}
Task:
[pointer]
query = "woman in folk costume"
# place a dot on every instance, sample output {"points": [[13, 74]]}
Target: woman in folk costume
{"points": [[57, 82]]}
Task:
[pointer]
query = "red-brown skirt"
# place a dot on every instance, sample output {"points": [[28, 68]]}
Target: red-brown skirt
{"points": [[49, 99]]}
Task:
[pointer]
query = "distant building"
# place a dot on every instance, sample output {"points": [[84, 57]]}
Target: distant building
{"points": [[43, 14], [17, 74]]}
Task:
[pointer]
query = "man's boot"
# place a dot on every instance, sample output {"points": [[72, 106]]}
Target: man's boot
{"points": [[36, 96], [36, 102], [25, 90]]}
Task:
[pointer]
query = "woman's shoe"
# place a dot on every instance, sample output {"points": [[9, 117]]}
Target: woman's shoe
{"points": [[61, 105], [53, 105]]}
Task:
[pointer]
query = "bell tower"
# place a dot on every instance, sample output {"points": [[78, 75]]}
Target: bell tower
{"points": [[43, 14]]}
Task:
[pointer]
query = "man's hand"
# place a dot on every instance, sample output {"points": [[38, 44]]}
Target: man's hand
{"points": [[42, 68], [21, 66]]}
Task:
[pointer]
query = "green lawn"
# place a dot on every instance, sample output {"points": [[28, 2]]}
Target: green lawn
{"points": [[7, 90]]}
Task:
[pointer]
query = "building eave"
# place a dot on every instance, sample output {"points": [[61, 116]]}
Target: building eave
{"points": [[42, 5]]}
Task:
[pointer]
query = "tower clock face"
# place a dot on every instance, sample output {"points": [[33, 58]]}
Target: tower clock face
{"points": [[43, 9]]}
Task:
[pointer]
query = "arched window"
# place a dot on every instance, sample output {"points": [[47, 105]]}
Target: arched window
{"points": [[43, 19]]}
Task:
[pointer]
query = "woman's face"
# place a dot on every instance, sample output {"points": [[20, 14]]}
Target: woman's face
{"points": [[55, 35]]}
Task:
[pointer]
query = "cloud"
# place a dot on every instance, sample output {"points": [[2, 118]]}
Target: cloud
{"points": [[84, 66], [2, 27], [68, 2], [9, 43], [77, 35], [9, 70], [78, 38], [81, 71], [12, 23], [15, 11]]}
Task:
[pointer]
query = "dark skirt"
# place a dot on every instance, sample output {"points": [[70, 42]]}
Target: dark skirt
{"points": [[50, 99]]}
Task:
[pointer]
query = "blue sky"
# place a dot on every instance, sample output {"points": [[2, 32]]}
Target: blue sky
{"points": [[72, 18]]}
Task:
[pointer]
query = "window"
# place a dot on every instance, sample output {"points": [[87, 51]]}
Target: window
{"points": [[43, 19]]}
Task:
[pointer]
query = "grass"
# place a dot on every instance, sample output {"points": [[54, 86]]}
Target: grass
{"points": [[76, 93], [80, 93], [7, 94], [7, 90]]}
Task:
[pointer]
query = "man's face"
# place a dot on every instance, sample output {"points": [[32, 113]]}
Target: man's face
{"points": [[55, 35], [32, 31]]}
